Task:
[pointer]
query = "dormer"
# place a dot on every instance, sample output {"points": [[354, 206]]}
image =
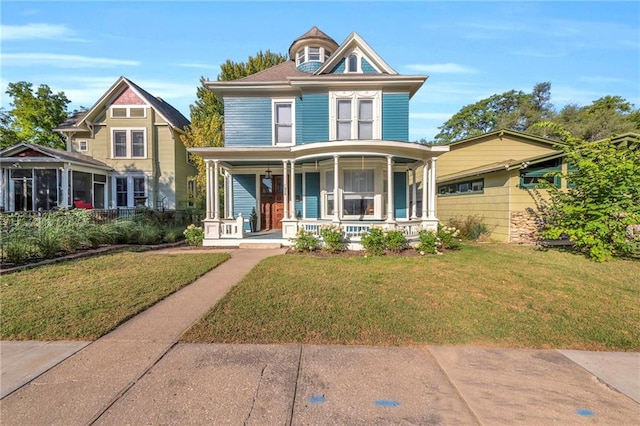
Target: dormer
{"points": [[311, 50]]}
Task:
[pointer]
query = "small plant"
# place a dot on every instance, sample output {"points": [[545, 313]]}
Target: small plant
{"points": [[448, 237], [471, 227], [172, 234], [305, 241], [194, 235], [395, 240], [374, 241], [333, 239], [428, 242]]}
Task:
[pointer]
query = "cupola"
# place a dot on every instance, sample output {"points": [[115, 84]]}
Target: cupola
{"points": [[311, 50]]}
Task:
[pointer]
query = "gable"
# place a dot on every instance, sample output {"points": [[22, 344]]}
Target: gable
{"points": [[128, 97], [363, 64], [30, 153], [368, 61], [488, 151]]}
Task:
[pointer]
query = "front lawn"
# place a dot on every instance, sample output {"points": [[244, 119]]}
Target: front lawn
{"points": [[85, 299], [491, 295]]}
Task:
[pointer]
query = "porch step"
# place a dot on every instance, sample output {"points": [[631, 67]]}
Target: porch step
{"points": [[260, 245]]}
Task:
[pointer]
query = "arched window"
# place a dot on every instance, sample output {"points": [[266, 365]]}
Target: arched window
{"points": [[352, 63]]}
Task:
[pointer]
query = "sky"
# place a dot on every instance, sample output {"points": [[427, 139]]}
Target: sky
{"points": [[469, 50]]}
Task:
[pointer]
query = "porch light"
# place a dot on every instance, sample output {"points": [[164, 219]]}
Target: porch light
{"points": [[267, 174]]}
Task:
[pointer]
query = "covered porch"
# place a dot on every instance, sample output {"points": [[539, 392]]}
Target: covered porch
{"points": [[269, 193]]}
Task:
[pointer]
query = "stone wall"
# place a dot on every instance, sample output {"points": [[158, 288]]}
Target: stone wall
{"points": [[523, 227]]}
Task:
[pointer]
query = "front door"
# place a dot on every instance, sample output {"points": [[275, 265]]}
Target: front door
{"points": [[271, 202]]}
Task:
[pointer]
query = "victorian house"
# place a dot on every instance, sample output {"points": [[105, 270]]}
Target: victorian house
{"points": [[321, 139]]}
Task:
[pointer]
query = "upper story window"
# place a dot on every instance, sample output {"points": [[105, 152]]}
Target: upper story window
{"points": [[283, 122], [352, 63], [355, 115], [128, 111], [83, 146], [312, 53], [129, 143], [533, 175]]}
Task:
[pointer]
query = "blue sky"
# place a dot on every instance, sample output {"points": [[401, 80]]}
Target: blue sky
{"points": [[469, 50]]}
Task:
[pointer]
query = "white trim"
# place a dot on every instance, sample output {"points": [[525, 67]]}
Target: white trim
{"points": [[275, 101], [128, 109], [352, 41], [355, 96], [129, 142], [130, 188], [86, 145]]}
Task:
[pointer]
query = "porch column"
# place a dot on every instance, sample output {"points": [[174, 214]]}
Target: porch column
{"points": [[432, 189], [285, 188], [64, 202], [230, 195], [390, 213], [208, 189], [336, 209], [424, 189], [414, 195], [216, 192], [292, 210]]}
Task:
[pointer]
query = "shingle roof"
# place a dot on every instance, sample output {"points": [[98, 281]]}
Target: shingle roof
{"points": [[172, 115], [313, 34], [277, 73], [70, 123]]}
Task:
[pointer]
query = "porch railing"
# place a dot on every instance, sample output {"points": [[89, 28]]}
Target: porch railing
{"points": [[232, 228], [353, 230]]}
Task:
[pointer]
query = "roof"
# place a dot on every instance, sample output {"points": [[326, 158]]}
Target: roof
{"points": [[508, 132], [313, 34], [171, 115], [56, 154], [277, 73]]}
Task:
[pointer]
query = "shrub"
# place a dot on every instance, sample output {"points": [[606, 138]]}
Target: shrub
{"points": [[333, 239], [395, 240], [374, 241], [173, 234], [470, 227], [448, 237], [428, 242], [305, 241], [194, 235], [17, 252], [150, 234]]}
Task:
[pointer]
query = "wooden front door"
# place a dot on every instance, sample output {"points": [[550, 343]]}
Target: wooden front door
{"points": [[271, 202]]}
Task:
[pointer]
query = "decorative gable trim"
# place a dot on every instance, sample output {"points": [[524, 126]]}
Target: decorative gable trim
{"points": [[356, 43]]}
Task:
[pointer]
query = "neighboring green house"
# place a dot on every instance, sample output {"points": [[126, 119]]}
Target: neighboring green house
{"points": [[321, 139], [125, 151], [491, 176]]}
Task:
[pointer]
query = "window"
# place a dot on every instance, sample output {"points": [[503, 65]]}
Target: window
{"points": [[355, 115], [121, 192], [314, 53], [460, 188], [344, 119], [352, 63], [283, 126], [128, 111], [129, 143], [83, 146], [191, 192], [532, 175], [139, 190], [359, 192], [329, 203], [130, 190]]}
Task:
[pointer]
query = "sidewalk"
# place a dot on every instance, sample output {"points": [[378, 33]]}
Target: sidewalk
{"points": [[138, 374]]}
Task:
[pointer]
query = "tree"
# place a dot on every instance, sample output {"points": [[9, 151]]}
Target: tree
{"points": [[601, 205], [34, 115], [514, 110], [207, 113]]}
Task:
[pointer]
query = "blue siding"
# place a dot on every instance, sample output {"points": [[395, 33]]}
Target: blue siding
{"points": [[312, 118], [309, 67], [312, 195], [247, 121], [400, 194], [338, 69], [367, 68], [395, 116], [244, 196], [298, 195]]}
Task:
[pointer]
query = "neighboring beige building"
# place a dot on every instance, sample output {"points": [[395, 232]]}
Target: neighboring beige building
{"points": [[490, 176], [125, 151]]}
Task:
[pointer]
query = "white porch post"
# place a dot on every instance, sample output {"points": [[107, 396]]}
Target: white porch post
{"points": [[390, 213], [230, 196], [292, 210], [216, 192], [424, 190], [64, 202], [208, 189], [285, 187], [336, 203], [432, 189], [414, 195]]}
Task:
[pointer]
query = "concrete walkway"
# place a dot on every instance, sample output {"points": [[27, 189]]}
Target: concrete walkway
{"points": [[138, 374]]}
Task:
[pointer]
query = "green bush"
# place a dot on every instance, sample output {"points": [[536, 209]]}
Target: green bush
{"points": [[374, 241], [149, 234], [332, 239], [448, 237], [428, 242], [471, 227], [194, 235], [17, 252], [395, 240], [305, 241], [173, 234]]}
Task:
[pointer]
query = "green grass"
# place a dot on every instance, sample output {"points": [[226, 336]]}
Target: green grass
{"points": [[490, 295], [85, 299]]}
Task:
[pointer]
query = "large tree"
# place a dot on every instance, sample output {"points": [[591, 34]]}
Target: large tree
{"points": [[514, 110], [33, 115], [207, 113]]}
